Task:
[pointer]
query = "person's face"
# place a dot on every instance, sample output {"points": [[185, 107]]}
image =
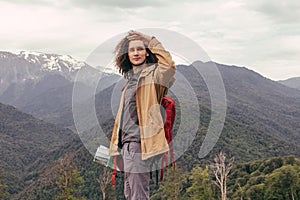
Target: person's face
{"points": [[137, 52]]}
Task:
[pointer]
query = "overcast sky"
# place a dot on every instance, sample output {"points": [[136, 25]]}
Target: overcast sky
{"points": [[262, 35]]}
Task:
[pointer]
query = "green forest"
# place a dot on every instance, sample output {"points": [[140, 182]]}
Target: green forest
{"points": [[269, 179]]}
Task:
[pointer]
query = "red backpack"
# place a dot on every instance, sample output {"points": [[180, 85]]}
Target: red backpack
{"points": [[170, 112], [170, 108]]}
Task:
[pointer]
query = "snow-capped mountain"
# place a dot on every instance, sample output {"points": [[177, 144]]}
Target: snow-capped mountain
{"points": [[30, 65], [40, 83], [52, 62], [33, 66]]}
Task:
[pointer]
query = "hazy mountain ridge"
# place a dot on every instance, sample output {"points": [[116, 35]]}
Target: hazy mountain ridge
{"points": [[253, 99], [264, 101], [291, 82]]}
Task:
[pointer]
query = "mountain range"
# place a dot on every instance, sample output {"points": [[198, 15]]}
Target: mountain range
{"points": [[40, 84], [262, 117]]}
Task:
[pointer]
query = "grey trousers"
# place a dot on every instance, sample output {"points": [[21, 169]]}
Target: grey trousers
{"points": [[137, 175]]}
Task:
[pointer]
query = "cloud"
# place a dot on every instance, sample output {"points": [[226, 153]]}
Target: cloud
{"points": [[279, 11], [253, 33], [25, 1], [128, 4], [37, 3], [118, 4]]}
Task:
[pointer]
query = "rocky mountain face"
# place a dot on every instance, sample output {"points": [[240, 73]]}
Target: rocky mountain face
{"points": [[32, 66]]}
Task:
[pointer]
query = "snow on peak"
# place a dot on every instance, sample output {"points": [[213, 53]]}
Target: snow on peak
{"points": [[2, 56], [108, 70], [6, 54], [52, 62]]}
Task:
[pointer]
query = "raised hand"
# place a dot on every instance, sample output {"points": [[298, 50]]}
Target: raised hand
{"points": [[135, 35]]}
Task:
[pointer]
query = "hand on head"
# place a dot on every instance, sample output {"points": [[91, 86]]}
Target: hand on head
{"points": [[135, 35]]}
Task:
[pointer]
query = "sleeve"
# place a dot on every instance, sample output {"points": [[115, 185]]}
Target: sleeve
{"points": [[166, 66]]}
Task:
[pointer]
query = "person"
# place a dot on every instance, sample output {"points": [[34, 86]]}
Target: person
{"points": [[138, 133]]}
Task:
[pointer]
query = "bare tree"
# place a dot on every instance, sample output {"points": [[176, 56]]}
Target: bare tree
{"points": [[221, 171], [241, 190], [104, 180], [64, 176]]}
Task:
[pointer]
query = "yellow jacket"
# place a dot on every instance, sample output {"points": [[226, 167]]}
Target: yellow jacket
{"points": [[152, 86]]}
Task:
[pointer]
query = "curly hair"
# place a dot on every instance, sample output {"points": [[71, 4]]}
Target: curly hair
{"points": [[122, 59]]}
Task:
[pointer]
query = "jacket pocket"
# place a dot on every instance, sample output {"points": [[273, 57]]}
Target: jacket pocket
{"points": [[154, 122]]}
